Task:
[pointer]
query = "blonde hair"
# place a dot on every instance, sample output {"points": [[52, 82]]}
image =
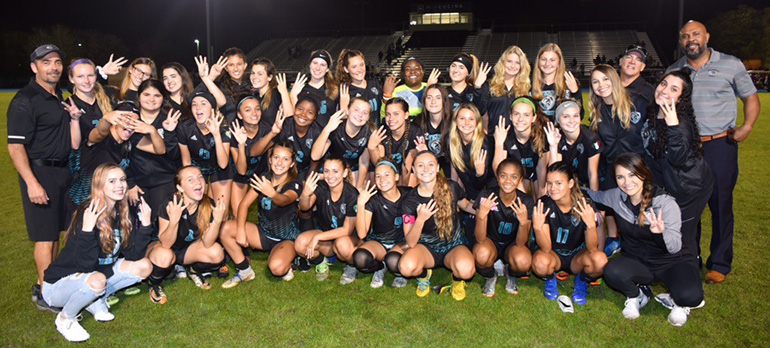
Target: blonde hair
{"points": [[205, 208], [102, 100], [105, 220], [126, 84], [332, 87], [521, 82], [538, 80], [455, 140], [444, 198], [622, 106]]}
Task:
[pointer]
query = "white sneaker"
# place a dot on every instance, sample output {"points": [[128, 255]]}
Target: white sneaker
{"points": [[499, 268], [678, 315], [288, 276], [667, 301], [104, 317], [378, 279], [180, 271], [399, 282], [348, 275], [634, 304], [71, 329]]}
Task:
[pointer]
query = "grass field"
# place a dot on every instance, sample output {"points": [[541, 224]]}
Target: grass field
{"points": [[304, 312]]}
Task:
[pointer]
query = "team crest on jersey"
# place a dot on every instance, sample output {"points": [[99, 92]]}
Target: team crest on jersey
{"points": [[309, 143], [597, 144], [375, 90], [398, 221], [548, 101], [713, 72], [362, 141], [635, 117], [266, 203], [162, 133], [580, 148], [343, 208], [469, 97], [190, 236], [575, 220]]}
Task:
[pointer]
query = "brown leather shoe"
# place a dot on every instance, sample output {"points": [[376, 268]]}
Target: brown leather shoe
{"points": [[714, 277]]}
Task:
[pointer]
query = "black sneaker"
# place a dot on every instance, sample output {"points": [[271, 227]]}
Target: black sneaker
{"points": [[36, 292], [301, 264], [43, 306]]}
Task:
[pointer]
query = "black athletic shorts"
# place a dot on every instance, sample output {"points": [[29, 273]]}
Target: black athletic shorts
{"points": [[267, 242], [219, 174], [438, 258], [180, 255], [45, 222], [566, 260]]}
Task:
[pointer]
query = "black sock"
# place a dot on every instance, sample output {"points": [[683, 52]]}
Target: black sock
{"points": [[548, 277], [486, 272], [202, 267], [158, 274], [516, 274], [391, 260], [317, 260], [423, 274], [243, 265], [585, 277], [456, 279]]}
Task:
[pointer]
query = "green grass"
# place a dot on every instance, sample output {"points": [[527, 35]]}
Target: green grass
{"points": [[304, 312]]}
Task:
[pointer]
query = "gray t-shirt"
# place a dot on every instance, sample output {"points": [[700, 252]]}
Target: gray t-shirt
{"points": [[715, 86]]}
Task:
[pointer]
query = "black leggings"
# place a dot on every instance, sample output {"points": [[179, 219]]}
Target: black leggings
{"points": [[682, 278]]}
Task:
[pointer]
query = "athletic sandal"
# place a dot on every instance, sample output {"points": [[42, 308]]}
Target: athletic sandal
{"points": [[423, 284], [112, 300], [237, 279], [157, 295], [562, 276], [322, 270]]}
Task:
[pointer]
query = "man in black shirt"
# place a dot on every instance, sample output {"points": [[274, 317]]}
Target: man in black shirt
{"points": [[631, 66], [39, 145]]}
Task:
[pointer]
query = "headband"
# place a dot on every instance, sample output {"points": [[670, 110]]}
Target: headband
{"points": [[526, 101], [463, 59], [80, 61], [414, 59], [324, 57], [243, 100], [387, 163], [563, 107]]}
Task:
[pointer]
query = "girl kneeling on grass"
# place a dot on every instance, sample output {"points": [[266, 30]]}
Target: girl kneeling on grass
{"points": [[334, 199], [94, 263], [278, 228], [653, 247], [564, 224], [433, 229], [502, 228], [380, 225], [187, 233]]}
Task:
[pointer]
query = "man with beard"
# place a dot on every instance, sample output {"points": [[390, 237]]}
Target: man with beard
{"points": [[39, 145], [631, 66], [717, 78]]}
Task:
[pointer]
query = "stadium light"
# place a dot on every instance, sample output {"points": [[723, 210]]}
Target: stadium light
{"points": [[197, 47]]}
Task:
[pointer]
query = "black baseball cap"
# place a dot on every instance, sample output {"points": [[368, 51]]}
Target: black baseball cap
{"points": [[42, 50], [638, 49]]}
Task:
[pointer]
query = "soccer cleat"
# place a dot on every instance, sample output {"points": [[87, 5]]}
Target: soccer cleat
{"points": [[499, 268], [322, 270], [581, 291], [611, 246], [71, 329], [510, 284], [288, 276], [667, 301], [378, 279], [301, 264], [200, 281], [489, 287], [180, 271], [562, 276], [348, 275], [565, 304], [399, 282], [551, 291], [237, 279], [134, 290], [423, 284], [678, 315], [157, 295], [634, 304], [458, 289]]}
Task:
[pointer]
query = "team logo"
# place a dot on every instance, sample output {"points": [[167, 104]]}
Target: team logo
{"points": [[575, 220], [162, 133], [375, 90], [713, 72], [362, 141], [266, 203], [548, 101], [469, 97], [124, 163], [190, 236], [398, 221], [343, 208], [309, 143], [635, 117], [580, 148]]}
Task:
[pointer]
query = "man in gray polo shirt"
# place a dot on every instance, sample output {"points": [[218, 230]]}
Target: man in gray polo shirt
{"points": [[717, 79]]}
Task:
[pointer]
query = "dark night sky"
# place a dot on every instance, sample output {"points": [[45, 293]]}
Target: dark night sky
{"points": [[167, 28]]}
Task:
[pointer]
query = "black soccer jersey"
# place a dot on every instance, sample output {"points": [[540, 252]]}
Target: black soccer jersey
{"points": [[253, 164], [502, 222], [499, 107], [429, 236], [551, 100], [567, 230], [472, 183], [187, 231], [302, 145], [395, 149], [326, 105], [330, 214], [372, 93], [524, 153], [108, 150], [349, 148], [149, 170], [89, 119], [471, 95], [387, 226], [616, 139], [271, 112], [279, 223], [577, 154], [202, 147]]}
